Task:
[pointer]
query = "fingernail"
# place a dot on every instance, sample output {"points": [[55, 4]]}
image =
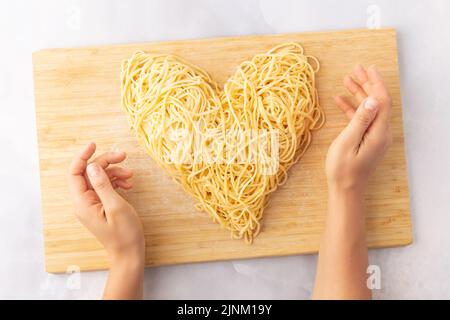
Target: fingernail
{"points": [[371, 104], [92, 170]]}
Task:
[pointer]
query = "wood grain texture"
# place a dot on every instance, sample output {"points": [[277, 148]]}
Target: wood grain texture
{"points": [[77, 94]]}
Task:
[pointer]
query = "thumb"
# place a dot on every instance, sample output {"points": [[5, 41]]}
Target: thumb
{"points": [[362, 119], [101, 184]]}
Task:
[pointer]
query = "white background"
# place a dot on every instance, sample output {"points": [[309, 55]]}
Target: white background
{"points": [[421, 270]]}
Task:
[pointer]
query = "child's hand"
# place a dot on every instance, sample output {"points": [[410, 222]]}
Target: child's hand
{"points": [[354, 154], [101, 209], [352, 157]]}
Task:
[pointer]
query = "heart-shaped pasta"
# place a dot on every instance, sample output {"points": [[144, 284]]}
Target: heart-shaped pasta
{"points": [[228, 148]]}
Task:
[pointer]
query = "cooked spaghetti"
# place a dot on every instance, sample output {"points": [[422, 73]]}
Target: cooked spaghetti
{"points": [[229, 149]]}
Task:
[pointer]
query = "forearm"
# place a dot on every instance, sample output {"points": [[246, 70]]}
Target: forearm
{"points": [[343, 261], [125, 279]]}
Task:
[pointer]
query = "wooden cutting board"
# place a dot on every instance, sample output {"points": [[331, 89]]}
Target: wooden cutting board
{"points": [[77, 95]]}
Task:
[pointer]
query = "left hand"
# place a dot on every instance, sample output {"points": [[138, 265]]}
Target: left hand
{"points": [[105, 213]]}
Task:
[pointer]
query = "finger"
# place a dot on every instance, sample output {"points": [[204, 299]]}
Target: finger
{"points": [[76, 180], [115, 173], [119, 173], [361, 76], [364, 116], [373, 75], [382, 93], [355, 89], [123, 184], [345, 106], [111, 157], [102, 185], [79, 163]]}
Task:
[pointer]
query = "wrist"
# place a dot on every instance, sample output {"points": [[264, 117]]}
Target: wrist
{"points": [[127, 265], [356, 187], [132, 257], [347, 191], [346, 201]]}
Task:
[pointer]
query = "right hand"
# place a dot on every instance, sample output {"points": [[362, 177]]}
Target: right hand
{"points": [[112, 220], [355, 153]]}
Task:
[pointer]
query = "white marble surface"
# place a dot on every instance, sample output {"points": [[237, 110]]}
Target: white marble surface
{"points": [[421, 270]]}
